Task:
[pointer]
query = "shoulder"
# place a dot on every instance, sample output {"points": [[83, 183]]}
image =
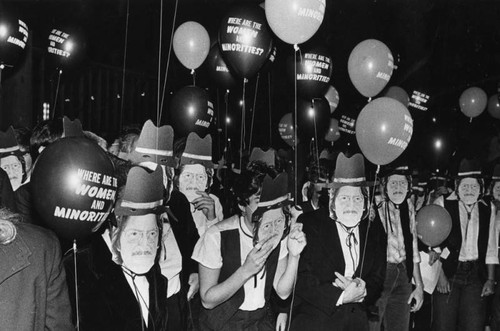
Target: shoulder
{"points": [[314, 220], [37, 236]]}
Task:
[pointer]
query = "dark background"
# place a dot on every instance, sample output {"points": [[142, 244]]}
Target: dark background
{"points": [[441, 47]]}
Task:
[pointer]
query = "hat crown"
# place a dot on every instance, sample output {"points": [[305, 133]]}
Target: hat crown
{"points": [[274, 190], [72, 128], [469, 168], [265, 156], [198, 150], [155, 144], [8, 142], [349, 170], [143, 192]]}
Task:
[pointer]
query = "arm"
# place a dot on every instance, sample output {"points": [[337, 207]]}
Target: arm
{"points": [[418, 292], [489, 285], [287, 267]]}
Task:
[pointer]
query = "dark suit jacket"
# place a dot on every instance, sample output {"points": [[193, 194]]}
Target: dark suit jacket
{"points": [[33, 289], [6, 193], [106, 301], [322, 257]]}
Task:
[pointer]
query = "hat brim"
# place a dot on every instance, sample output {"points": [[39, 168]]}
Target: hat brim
{"points": [[363, 183], [127, 211], [262, 210]]}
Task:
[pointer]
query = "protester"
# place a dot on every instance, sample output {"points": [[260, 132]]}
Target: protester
{"points": [[119, 283], [33, 289], [243, 257], [397, 214], [468, 255]]}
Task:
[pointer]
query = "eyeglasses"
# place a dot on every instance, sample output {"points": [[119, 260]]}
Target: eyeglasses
{"points": [[354, 198], [397, 183], [134, 236], [469, 186], [193, 176]]}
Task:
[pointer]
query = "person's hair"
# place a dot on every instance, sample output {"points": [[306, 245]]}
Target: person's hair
{"points": [[480, 181], [490, 187], [334, 192], [121, 223], [250, 181], [44, 134], [127, 142], [23, 136], [10, 219], [95, 138], [384, 180]]}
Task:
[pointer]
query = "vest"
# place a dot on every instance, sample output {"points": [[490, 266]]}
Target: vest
{"points": [[217, 317], [404, 217], [454, 240]]}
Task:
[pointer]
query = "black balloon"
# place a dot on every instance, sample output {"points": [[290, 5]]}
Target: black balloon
{"points": [[314, 70], [60, 47], [73, 186], [13, 38], [191, 111], [245, 39], [218, 69], [311, 114]]}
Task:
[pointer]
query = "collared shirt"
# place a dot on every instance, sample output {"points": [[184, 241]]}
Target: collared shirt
{"points": [[469, 249], [207, 252], [141, 293], [391, 220], [202, 224], [351, 255]]}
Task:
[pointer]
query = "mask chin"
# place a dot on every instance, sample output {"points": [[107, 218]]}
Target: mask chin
{"points": [[138, 265], [397, 199]]}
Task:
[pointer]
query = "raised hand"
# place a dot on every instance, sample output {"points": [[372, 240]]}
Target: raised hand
{"points": [[206, 204]]}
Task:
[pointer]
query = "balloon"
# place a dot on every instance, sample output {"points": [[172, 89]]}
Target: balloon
{"points": [[295, 21], [473, 101], [333, 98], [433, 225], [285, 128], [397, 93], [191, 111], [191, 44], [245, 40], [370, 67], [313, 118], [218, 69], [494, 106], [73, 186], [314, 70], [383, 130], [13, 38], [60, 47], [333, 133]]}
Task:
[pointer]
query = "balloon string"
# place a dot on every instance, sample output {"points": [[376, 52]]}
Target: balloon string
{"points": [[296, 198], [315, 135], [219, 130], [369, 99], [76, 287], [194, 76], [168, 60], [57, 93], [226, 101], [159, 70], [270, 112], [242, 138], [372, 199], [122, 103], [254, 110]]}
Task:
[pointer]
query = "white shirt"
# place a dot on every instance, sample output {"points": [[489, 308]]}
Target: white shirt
{"points": [[207, 253], [142, 294], [170, 260], [351, 263]]}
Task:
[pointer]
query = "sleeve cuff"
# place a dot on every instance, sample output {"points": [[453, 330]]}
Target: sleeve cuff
{"points": [[341, 299]]}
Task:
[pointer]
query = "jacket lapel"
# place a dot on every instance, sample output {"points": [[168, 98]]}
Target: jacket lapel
{"points": [[14, 257], [331, 242], [363, 228]]}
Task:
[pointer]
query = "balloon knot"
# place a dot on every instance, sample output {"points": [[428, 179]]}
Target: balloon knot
{"points": [[245, 80], [2, 66], [296, 47], [60, 72], [369, 99], [192, 71]]}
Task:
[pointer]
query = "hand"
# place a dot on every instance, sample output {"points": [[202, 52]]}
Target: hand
{"points": [[296, 240], [281, 321], [257, 257], [418, 295], [341, 281], [355, 291], [443, 285], [194, 285], [206, 204], [488, 288], [433, 257]]}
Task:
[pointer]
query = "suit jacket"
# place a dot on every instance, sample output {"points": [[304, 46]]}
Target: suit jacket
{"points": [[319, 261], [106, 301], [33, 289]]}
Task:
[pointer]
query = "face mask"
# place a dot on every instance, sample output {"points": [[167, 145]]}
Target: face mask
{"points": [[139, 242], [397, 188], [349, 205], [272, 226], [469, 190], [13, 167], [193, 178]]}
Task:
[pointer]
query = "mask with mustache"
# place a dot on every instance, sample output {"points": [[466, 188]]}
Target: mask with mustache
{"points": [[397, 188], [469, 190]]}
